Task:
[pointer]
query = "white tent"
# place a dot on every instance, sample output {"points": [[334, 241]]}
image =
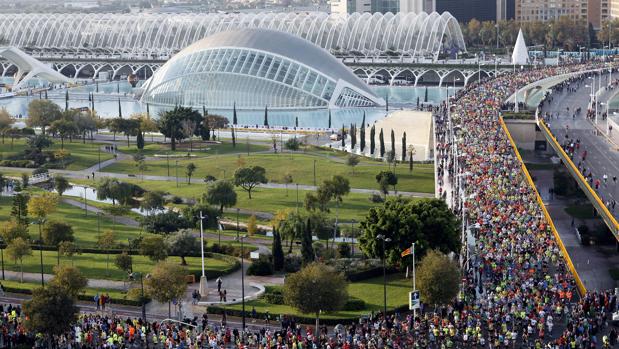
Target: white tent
{"points": [[521, 53]]}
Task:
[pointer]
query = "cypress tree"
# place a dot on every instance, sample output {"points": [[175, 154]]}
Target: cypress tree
{"points": [[372, 142], [362, 134], [205, 133], [278, 251], [234, 120], [307, 251], [404, 147], [343, 137], [233, 138], [66, 99], [381, 139], [353, 140], [266, 116], [296, 121], [140, 140], [329, 117], [120, 110], [393, 143]]}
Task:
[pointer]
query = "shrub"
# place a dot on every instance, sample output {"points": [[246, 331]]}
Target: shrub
{"points": [[273, 296], [135, 294], [343, 251], [377, 198], [40, 170], [165, 222], [353, 304], [292, 263], [261, 267]]}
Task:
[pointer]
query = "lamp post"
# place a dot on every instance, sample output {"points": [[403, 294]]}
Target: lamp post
{"points": [[352, 233], [41, 221], [237, 223], [203, 281], [85, 203], [242, 238], [133, 276], [384, 239], [176, 168], [2, 256], [315, 171]]}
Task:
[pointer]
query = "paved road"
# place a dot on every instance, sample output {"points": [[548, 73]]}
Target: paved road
{"points": [[602, 155]]}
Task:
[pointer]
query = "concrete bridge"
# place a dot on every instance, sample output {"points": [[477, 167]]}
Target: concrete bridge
{"points": [[381, 70]]}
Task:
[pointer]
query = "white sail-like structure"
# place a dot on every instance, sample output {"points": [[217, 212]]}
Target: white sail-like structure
{"points": [[521, 53]]}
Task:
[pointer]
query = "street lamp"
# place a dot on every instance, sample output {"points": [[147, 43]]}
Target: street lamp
{"points": [[176, 173], [237, 223], [133, 275], [242, 238], [41, 221], [203, 281], [384, 239], [2, 255], [352, 233]]}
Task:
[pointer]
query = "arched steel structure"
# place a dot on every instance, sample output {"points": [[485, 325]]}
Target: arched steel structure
{"points": [[160, 35], [253, 68]]}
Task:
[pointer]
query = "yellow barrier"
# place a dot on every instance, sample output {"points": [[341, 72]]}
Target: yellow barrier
{"points": [[606, 215], [579, 284]]}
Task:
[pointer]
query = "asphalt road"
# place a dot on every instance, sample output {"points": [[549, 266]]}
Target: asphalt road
{"points": [[602, 156]]}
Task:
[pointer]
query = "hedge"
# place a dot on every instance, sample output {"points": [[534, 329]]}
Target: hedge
{"points": [[81, 297], [369, 273]]}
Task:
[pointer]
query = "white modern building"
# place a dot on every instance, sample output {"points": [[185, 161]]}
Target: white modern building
{"points": [[254, 69]]}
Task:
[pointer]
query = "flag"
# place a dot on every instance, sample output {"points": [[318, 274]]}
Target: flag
{"points": [[407, 252]]}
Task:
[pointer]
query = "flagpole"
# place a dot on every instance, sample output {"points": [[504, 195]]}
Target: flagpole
{"points": [[414, 286]]}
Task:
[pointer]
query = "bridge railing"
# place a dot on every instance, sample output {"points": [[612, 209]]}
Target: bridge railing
{"points": [[579, 284], [606, 215]]}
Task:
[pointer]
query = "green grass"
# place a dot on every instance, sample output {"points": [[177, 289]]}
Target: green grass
{"points": [[300, 166], [354, 206], [93, 266], [370, 291], [199, 148], [84, 227], [584, 211], [82, 155], [114, 293]]}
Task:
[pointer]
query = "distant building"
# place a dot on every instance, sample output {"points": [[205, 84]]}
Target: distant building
{"points": [[591, 11], [482, 10]]}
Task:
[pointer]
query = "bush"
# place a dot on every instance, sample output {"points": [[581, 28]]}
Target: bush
{"points": [[376, 198], [585, 235], [135, 294], [165, 222], [343, 251], [292, 263], [40, 170], [273, 295], [354, 304], [261, 267], [602, 235], [17, 163]]}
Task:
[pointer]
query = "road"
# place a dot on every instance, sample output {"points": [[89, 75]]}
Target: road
{"points": [[602, 155]]}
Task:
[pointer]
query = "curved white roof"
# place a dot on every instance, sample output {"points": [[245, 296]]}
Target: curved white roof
{"points": [[281, 44]]}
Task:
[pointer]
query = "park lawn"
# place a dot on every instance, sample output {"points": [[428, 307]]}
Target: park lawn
{"points": [[84, 227], [370, 291], [93, 266], [354, 206], [91, 292], [199, 148], [82, 155], [300, 166]]}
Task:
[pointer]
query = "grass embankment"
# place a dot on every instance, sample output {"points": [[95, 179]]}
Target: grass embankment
{"points": [[199, 149], [300, 166]]}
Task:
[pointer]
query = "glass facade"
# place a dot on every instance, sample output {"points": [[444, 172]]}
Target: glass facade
{"points": [[218, 77]]}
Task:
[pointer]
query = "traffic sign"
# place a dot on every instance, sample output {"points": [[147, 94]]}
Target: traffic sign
{"points": [[413, 300]]}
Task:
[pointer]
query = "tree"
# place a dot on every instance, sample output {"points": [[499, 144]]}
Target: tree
{"points": [[41, 113], [315, 288], [182, 243], [121, 192], [290, 227], [335, 188], [51, 311], [154, 248], [362, 134], [352, 161], [372, 142], [166, 283], [278, 251], [171, 123], [17, 250], [222, 194], [438, 278], [292, 144], [64, 128], [393, 143], [266, 116], [189, 129], [106, 242], [411, 155], [56, 232], [61, 184], [307, 250], [287, 180], [189, 170], [124, 262], [19, 209], [329, 125], [233, 138], [404, 146], [69, 279], [381, 139], [139, 142], [68, 249], [11, 230], [428, 222], [41, 206], [249, 177], [39, 142], [165, 222], [153, 201], [252, 226], [385, 179], [343, 132], [6, 123]]}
